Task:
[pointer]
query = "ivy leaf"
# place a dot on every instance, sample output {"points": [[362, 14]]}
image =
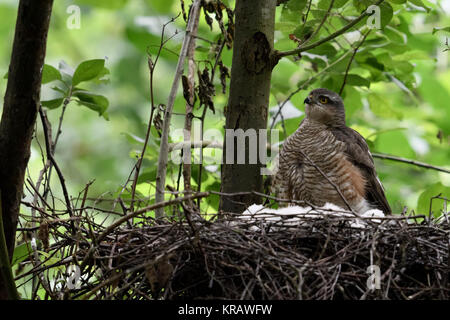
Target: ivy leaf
{"points": [[423, 203], [93, 101], [88, 70], [50, 73]]}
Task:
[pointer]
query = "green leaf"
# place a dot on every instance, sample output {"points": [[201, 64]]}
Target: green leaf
{"points": [[93, 101], [195, 173], [447, 29], [296, 5], [301, 31], [324, 4], [88, 70], [161, 6], [423, 203], [361, 5], [356, 80], [285, 26], [381, 106], [148, 175], [419, 3], [50, 73], [21, 252], [292, 10], [372, 61], [144, 40], [395, 143], [65, 69], [412, 55], [386, 13], [106, 4], [52, 104], [352, 100], [324, 49]]}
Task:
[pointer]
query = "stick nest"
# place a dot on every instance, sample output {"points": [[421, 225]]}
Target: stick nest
{"points": [[231, 258]]}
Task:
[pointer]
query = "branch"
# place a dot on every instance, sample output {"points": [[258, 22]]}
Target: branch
{"points": [[280, 55], [164, 147], [409, 161], [351, 60], [188, 87], [55, 165]]}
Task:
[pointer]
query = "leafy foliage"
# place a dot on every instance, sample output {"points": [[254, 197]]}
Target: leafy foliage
{"points": [[87, 71]]}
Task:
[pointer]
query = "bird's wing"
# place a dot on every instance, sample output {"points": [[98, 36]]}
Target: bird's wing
{"points": [[358, 153]]}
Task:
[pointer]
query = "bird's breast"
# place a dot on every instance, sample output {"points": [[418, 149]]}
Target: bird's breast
{"points": [[315, 164]]}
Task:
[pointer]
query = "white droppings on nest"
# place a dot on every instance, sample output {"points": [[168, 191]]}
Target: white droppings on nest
{"points": [[296, 215]]}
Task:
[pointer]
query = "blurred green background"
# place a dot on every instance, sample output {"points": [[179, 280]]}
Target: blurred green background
{"points": [[406, 116]]}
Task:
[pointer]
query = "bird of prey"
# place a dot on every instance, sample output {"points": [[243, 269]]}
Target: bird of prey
{"points": [[326, 161]]}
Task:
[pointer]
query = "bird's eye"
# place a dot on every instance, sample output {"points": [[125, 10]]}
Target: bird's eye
{"points": [[323, 100]]}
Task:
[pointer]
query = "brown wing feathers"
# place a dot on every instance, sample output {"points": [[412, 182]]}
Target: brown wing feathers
{"points": [[358, 153]]}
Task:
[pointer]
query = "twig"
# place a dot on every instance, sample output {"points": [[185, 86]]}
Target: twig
{"points": [[58, 170], [164, 146], [351, 60], [151, 67], [189, 93], [325, 17], [409, 161]]}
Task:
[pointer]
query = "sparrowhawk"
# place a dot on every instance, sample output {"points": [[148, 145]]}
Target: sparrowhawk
{"points": [[326, 161]]}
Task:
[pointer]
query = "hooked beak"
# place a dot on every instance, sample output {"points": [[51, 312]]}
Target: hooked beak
{"points": [[307, 100]]}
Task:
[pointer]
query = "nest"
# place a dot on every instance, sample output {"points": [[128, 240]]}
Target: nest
{"points": [[325, 257]]}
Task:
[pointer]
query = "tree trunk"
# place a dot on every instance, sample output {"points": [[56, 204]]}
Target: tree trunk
{"points": [[22, 100], [249, 98]]}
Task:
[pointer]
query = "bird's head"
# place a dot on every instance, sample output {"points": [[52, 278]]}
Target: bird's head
{"points": [[326, 107]]}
